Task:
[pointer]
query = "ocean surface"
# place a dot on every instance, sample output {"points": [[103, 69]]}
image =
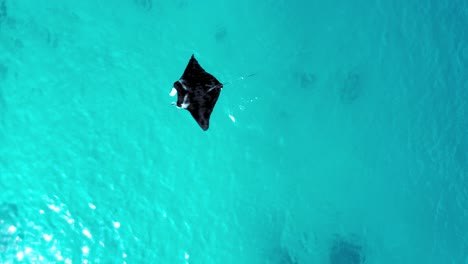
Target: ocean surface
{"points": [[348, 146]]}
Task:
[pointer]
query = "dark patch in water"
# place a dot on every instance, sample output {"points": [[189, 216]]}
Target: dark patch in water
{"points": [[8, 211], [220, 34], [351, 88], [145, 4], [18, 44], [345, 252], [281, 256], [51, 39], [307, 80], [182, 4], [3, 10], [282, 115]]}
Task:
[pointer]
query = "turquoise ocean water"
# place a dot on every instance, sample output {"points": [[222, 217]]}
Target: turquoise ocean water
{"points": [[348, 146]]}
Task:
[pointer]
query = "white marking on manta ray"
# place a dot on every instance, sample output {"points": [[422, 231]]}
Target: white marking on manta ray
{"points": [[185, 104], [183, 85], [173, 92], [215, 87]]}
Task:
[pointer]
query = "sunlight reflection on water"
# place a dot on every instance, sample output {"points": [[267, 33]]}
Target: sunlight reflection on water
{"points": [[50, 235]]}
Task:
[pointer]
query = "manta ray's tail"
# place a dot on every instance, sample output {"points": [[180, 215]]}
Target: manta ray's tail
{"points": [[233, 81], [241, 78]]}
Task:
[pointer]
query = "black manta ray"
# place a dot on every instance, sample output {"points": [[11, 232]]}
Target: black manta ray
{"points": [[197, 91]]}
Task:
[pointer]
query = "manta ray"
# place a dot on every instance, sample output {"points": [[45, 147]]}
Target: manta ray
{"points": [[197, 91]]}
